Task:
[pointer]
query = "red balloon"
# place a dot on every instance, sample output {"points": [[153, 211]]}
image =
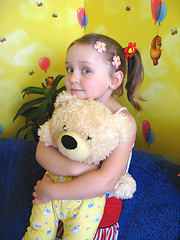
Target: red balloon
{"points": [[145, 127], [80, 14], [154, 4], [44, 63]]}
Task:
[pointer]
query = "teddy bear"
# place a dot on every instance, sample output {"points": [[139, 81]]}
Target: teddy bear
{"points": [[85, 131]]}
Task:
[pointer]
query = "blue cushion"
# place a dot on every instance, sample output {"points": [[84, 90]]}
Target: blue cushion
{"points": [[153, 212], [19, 173]]}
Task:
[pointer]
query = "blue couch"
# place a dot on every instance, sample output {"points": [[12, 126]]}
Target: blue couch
{"points": [[153, 212]]}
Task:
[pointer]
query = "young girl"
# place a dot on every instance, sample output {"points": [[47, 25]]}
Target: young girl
{"points": [[96, 66]]}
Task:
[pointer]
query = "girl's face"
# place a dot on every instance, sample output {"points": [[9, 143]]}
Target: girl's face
{"points": [[88, 73]]}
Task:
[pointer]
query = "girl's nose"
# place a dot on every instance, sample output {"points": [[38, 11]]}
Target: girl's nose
{"points": [[74, 78]]}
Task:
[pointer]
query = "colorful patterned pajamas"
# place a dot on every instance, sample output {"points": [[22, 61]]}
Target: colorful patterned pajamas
{"points": [[80, 217]]}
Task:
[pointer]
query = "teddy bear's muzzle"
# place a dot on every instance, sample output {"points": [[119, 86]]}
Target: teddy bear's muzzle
{"points": [[73, 146]]}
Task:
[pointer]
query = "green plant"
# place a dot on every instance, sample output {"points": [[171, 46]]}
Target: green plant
{"points": [[39, 110]]}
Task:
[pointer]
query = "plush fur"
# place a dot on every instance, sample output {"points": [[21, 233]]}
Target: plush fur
{"points": [[87, 131]]}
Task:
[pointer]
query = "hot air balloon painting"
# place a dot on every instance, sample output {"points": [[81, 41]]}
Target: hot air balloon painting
{"points": [[159, 10], [148, 133], [44, 63], [82, 17]]}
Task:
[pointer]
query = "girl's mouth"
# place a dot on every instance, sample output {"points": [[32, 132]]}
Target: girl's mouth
{"points": [[76, 90]]}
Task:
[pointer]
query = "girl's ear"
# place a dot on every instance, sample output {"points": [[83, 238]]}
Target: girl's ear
{"points": [[116, 80]]}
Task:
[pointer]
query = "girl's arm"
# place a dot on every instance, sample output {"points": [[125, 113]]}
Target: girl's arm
{"points": [[56, 163], [93, 183]]}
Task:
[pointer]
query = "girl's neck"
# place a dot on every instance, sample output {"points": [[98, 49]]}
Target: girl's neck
{"points": [[113, 105]]}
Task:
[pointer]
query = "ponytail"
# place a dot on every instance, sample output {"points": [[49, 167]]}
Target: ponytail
{"points": [[135, 75]]}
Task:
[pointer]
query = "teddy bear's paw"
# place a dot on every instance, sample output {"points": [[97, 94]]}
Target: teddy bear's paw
{"points": [[125, 188]]}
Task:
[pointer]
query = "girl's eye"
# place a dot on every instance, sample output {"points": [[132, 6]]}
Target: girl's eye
{"points": [[86, 70], [69, 70]]}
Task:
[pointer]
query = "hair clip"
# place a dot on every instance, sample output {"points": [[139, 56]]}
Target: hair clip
{"points": [[116, 61], [130, 50], [100, 46]]}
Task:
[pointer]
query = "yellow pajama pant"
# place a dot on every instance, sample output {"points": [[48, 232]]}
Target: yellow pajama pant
{"points": [[81, 218]]}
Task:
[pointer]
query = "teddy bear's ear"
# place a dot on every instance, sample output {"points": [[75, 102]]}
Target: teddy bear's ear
{"points": [[62, 98], [45, 135]]}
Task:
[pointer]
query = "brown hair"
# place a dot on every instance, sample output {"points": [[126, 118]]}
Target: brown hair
{"points": [[133, 66]]}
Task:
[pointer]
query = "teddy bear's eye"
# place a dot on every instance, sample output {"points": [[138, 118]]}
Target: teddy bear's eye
{"points": [[88, 138], [65, 128]]}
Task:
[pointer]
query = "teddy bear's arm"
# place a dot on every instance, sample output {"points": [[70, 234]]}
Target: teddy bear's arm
{"points": [[45, 134]]}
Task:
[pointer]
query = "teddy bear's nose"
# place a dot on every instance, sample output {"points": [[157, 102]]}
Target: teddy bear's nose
{"points": [[69, 142], [73, 146]]}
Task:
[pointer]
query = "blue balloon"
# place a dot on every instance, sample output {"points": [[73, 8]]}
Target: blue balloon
{"points": [[84, 20], [1, 129], [151, 136], [160, 12]]}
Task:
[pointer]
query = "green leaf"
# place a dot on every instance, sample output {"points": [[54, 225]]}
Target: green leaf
{"points": [[35, 132], [34, 90], [49, 94], [23, 128], [43, 86], [50, 110], [28, 133], [43, 111], [31, 115], [56, 82], [27, 106], [60, 90]]}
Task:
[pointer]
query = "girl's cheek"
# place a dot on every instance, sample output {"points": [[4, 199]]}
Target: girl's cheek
{"points": [[66, 85], [66, 80]]}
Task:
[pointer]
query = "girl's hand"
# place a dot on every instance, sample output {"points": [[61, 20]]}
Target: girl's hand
{"points": [[41, 193]]}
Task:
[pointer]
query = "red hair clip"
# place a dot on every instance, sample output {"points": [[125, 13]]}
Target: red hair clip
{"points": [[130, 50]]}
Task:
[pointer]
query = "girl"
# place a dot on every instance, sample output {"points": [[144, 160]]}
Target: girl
{"points": [[96, 66]]}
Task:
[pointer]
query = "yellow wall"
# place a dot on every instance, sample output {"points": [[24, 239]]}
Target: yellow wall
{"points": [[31, 33]]}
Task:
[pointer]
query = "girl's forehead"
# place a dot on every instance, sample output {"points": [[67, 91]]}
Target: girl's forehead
{"points": [[86, 52], [78, 48]]}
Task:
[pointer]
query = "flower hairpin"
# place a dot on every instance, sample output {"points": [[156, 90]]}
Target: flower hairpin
{"points": [[100, 46], [116, 61], [130, 50]]}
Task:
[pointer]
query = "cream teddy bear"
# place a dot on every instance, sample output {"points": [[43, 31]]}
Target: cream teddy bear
{"points": [[87, 131]]}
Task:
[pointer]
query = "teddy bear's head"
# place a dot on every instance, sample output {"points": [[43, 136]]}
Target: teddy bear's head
{"points": [[84, 130]]}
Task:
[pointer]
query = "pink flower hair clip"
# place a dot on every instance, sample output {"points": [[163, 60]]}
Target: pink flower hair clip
{"points": [[130, 50], [100, 46], [116, 61]]}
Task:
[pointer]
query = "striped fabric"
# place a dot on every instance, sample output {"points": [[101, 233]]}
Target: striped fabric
{"points": [[109, 233]]}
